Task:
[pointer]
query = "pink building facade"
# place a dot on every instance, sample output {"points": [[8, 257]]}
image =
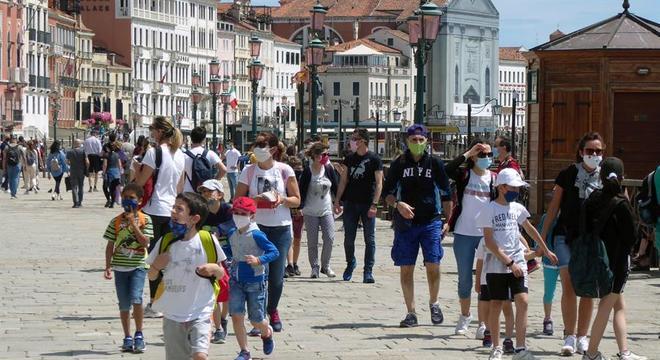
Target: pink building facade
{"points": [[13, 73]]}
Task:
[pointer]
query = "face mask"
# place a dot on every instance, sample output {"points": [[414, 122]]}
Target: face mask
{"points": [[511, 196], [484, 163], [178, 229], [262, 154], [213, 202], [592, 161], [353, 145], [129, 204], [324, 159], [417, 149], [241, 221], [496, 152]]}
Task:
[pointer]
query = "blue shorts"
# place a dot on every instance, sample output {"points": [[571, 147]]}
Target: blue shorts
{"points": [[253, 294], [129, 286], [407, 243], [562, 250]]}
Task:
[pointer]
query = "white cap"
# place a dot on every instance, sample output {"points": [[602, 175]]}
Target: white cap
{"points": [[510, 177], [212, 184]]}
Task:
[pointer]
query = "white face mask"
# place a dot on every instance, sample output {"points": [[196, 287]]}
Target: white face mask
{"points": [[592, 161], [241, 221], [262, 154]]}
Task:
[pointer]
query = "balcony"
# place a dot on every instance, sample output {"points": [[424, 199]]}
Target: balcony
{"points": [[18, 76], [144, 53], [159, 17], [68, 82], [56, 50], [86, 55], [17, 116], [43, 82], [156, 87], [181, 58], [126, 88], [95, 84]]}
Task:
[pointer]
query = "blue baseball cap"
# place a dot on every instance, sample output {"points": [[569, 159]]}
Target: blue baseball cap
{"points": [[417, 129]]}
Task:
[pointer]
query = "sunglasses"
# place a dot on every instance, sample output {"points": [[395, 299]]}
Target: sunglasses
{"points": [[593, 151], [484, 155]]}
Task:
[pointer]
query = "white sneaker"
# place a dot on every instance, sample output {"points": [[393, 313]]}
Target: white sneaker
{"points": [[496, 353], [480, 332], [149, 312], [582, 345], [52, 197], [523, 355], [463, 324], [629, 355], [569, 346]]}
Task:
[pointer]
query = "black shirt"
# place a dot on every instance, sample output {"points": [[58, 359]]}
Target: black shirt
{"points": [[361, 177], [421, 184], [575, 192]]}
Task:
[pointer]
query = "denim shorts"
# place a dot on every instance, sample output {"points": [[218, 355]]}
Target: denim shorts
{"points": [[562, 250], [407, 243], [129, 286], [253, 294]]}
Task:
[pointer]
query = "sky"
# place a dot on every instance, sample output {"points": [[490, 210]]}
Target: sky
{"points": [[529, 22]]}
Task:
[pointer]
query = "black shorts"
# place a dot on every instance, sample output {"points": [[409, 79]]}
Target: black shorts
{"points": [[505, 286], [484, 294], [95, 164]]}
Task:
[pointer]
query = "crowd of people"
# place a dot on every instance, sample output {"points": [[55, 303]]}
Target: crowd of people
{"points": [[209, 254]]}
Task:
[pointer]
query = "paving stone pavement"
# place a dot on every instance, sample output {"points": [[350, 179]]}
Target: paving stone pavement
{"points": [[55, 304]]}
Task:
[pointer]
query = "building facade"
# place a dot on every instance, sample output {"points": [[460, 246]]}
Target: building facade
{"points": [[226, 37], [512, 83], [62, 67], [287, 64], [13, 74]]}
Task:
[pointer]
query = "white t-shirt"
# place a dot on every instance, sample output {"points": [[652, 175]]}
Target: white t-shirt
{"points": [[481, 253], [504, 220], [273, 179], [171, 168], [318, 201], [232, 160], [187, 296], [475, 197], [213, 158]]}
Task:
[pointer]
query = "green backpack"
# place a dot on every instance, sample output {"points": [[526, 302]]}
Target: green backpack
{"points": [[589, 266], [209, 249]]}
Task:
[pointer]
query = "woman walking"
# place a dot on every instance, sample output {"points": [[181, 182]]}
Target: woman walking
{"points": [[111, 173], [318, 185], [57, 166], [611, 208], [297, 219], [31, 163], [573, 185], [274, 187]]}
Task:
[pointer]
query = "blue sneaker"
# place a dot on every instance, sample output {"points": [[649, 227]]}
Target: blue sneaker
{"points": [[139, 346], [269, 344], [254, 332], [127, 346], [348, 272], [244, 355]]}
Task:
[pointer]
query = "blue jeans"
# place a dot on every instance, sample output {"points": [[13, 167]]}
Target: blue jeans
{"points": [[129, 286], [252, 294], [280, 236], [465, 248], [352, 213], [562, 250], [14, 176], [232, 179]]}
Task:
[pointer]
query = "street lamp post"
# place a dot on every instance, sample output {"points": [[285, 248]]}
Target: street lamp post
{"points": [[54, 97], [256, 69], [224, 99], [315, 58], [496, 110], [513, 123], [196, 96], [284, 113], [215, 87], [422, 31]]}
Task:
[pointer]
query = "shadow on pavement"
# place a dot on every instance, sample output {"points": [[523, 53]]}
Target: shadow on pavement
{"points": [[91, 270], [86, 318], [353, 326], [80, 353]]}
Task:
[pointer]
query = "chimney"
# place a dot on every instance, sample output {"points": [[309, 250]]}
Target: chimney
{"points": [[556, 35]]}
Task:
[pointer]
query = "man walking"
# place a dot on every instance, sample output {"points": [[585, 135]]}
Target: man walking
{"points": [[231, 157], [359, 189], [78, 165], [192, 180], [416, 184], [12, 161], [93, 148]]}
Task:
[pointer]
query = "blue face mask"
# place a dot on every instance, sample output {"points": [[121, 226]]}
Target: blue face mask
{"points": [[484, 163], [178, 229], [511, 196], [129, 205], [496, 152]]}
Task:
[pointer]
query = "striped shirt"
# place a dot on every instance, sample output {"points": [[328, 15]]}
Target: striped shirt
{"points": [[128, 253]]}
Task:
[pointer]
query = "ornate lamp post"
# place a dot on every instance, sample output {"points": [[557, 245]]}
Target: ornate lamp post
{"points": [[422, 31], [55, 103], [195, 95], [256, 70], [224, 99], [314, 59], [215, 87]]}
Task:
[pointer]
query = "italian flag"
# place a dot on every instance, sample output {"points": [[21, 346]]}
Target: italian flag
{"points": [[233, 101]]}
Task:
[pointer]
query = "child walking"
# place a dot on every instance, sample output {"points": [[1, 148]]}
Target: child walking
{"points": [[251, 251], [504, 263], [191, 262], [128, 236]]}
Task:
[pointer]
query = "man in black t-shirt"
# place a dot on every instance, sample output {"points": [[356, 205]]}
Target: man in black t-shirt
{"points": [[359, 190]]}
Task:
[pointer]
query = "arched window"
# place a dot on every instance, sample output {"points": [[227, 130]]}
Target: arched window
{"points": [[487, 84]]}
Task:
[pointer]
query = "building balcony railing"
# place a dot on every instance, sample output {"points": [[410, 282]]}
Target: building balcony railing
{"points": [[43, 82], [126, 88], [68, 82], [85, 55], [33, 81], [95, 84], [17, 116]]}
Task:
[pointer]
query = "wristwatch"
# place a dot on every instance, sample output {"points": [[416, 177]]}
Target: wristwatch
{"points": [[511, 263]]}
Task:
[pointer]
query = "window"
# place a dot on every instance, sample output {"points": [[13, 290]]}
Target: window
{"points": [[336, 89], [288, 54], [192, 10], [487, 82], [390, 42], [336, 115], [356, 88], [456, 83]]}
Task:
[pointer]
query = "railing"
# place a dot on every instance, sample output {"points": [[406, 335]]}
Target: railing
{"points": [[33, 81], [43, 37], [17, 116], [43, 82], [95, 83], [69, 82], [85, 55], [126, 88]]}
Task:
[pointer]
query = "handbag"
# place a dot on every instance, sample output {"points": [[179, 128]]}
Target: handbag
{"points": [[67, 183]]}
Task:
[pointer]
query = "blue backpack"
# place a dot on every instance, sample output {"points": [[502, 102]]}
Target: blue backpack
{"points": [[201, 169]]}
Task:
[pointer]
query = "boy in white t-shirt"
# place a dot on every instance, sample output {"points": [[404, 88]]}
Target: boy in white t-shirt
{"points": [[187, 297], [504, 262]]}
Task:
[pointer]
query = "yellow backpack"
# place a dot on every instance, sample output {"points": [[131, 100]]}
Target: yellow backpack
{"points": [[211, 256]]}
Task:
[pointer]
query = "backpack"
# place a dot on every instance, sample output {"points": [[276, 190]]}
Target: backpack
{"points": [[29, 157], [55, 164], [647, 201], [211, 256], [151, 182], [458, 204], [201, 169], [13, 155], [589, 266]]}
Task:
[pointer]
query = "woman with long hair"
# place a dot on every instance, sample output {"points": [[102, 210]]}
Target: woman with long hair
{"points": [[30, 167], [610, 206], [164, 163], [573, 185], [57, 166], [274, 187]]}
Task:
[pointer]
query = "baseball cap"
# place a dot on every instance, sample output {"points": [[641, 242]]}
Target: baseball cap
{"points": [[510, 177], [212, 184], [244, 203], [417, 129], [612, 167]]}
